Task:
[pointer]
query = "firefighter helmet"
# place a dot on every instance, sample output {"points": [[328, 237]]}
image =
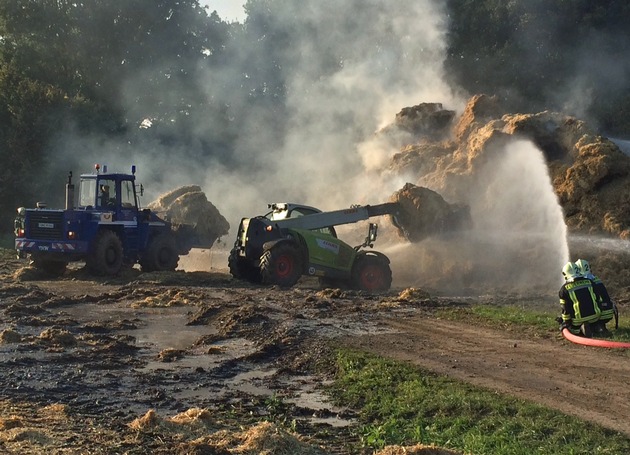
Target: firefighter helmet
{"points": [[584, 267], [570, 271]]}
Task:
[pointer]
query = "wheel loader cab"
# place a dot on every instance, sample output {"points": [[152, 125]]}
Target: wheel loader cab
{"points": [[107, 192]]}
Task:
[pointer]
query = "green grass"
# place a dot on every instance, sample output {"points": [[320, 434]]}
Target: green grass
{"points": [[402, 404], [537, 322]]}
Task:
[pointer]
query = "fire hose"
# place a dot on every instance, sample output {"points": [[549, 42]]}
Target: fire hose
{"points": [[593, 341], [596, 342]]}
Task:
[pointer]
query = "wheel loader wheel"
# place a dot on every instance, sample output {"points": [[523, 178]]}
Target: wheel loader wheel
{"points": [[371, 273], [52, 268], [161, 254], [281, 265], [106, 257]]}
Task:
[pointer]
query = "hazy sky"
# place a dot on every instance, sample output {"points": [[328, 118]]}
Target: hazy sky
{"points": [[229, 10]]}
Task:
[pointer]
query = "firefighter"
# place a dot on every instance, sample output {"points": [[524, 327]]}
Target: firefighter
{"points": [[605, 303], [577, 301]]}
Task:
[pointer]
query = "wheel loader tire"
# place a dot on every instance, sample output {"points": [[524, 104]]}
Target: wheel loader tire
{"points": [[240, 269], [161, 254], [106, 257], [371, 273], [281, 265], [52, 268]]}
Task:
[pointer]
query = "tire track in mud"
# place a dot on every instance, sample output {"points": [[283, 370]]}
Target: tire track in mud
{"points": [[591, 383]]}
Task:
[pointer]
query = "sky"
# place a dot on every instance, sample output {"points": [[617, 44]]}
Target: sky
{"points": [[228, 10]]}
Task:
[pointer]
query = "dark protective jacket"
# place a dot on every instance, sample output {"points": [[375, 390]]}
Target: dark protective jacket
{"points": [[604, 301], [579, 302]]}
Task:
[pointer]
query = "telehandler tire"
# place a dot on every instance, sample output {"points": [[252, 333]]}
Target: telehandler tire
{"points": [[371, 273], [106, 257], [281, 265], [240, 269], [161, 254]]}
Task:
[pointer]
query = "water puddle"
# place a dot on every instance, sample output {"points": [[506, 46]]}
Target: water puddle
{"points": [[311, 397], [204, 357]]}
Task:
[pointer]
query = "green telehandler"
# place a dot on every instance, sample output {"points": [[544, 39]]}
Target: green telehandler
{"points": [[292, 240]]}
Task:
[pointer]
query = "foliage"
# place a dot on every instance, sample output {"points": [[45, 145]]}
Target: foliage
{"points": [[536, 54]]}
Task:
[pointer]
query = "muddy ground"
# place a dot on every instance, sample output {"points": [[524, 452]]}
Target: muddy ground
{"points": [[191, 362]]}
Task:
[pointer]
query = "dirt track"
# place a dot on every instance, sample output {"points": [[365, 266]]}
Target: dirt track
{"points": [[109, 351]]}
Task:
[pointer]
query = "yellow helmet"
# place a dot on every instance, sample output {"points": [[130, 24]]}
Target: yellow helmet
{"points": [[570, 271], [584, 267]]}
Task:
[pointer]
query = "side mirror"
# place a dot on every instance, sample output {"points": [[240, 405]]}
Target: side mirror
{"points": [[371, 237], [372, 232]]}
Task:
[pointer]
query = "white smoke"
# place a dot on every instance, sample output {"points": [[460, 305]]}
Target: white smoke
{"points": [[389, 55]]}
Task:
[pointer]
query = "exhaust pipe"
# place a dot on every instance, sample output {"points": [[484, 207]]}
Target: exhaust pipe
{"points": [[69, 193]]}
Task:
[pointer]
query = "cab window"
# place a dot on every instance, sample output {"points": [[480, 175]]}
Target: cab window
{"points": [[127, 195], [301, 211], [87, 191], [106, 193]]}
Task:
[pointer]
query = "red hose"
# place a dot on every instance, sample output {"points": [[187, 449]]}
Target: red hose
{"points": [[593, 341]]}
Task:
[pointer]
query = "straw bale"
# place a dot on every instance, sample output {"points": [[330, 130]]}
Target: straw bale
{"points": [[589, 173], [425, 119], [195, 220], [424, 213]]}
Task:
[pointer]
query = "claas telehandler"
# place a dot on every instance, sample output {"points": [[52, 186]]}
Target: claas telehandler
{"points": [[292, 240]]}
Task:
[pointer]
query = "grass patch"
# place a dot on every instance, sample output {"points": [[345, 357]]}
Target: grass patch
{"points": [[518, 318], [402, 404]]}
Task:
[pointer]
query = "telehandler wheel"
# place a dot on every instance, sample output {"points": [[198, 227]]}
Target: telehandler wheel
{"points": [[371, 273], [240, 269], [53, 268], [281, 265], [106, 257], [235, 264], [161, 254]]}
